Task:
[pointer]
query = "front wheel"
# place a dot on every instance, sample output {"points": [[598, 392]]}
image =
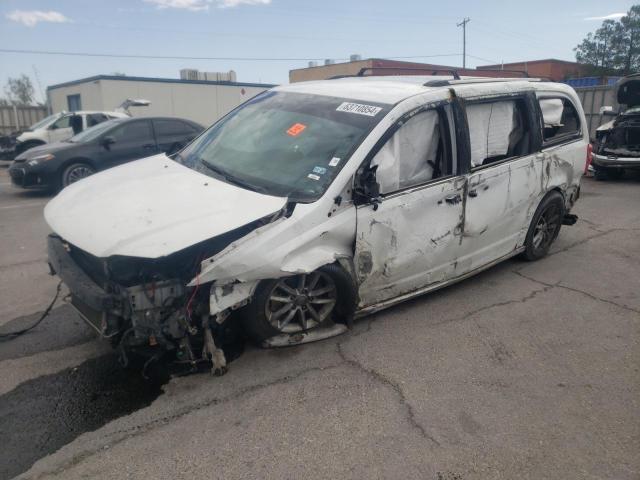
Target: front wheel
{"points": [[299, 303], [75, 172], [544, 227]]}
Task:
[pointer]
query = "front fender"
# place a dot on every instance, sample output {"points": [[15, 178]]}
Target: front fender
{"points": [[299, 244]]}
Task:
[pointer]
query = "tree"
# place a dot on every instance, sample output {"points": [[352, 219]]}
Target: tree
{"points": [[628, 51], [20, 91], [614, 48]]}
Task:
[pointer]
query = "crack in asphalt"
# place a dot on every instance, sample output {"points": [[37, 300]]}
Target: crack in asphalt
{"points": [[379, 377], [137, 430], [572, 289]]}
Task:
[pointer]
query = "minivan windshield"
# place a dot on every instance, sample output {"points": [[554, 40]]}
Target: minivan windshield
{"points": [[92, 133], [283, 143]]}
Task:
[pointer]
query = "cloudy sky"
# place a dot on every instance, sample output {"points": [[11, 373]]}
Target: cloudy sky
{"points": [[263, 39]]}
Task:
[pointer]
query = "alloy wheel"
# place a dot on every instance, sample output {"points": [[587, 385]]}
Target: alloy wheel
{"points": [[301, 302], [547, 227], [78, 173]]}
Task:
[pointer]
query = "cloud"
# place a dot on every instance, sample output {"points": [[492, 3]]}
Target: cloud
{"points": [[199, 5], [611, 16], [235, 3], [31, 18], [192, 5]]}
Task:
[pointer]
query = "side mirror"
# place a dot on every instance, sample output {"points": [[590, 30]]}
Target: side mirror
{"points": [[368, 189], [108, 141], [53, 127], [608, 111]]}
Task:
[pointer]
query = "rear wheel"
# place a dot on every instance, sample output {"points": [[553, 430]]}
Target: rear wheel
{"points": [[299, 303], [76, 172], [544, 227]]}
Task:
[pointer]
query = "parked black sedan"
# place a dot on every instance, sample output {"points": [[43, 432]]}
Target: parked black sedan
{"points": [[54, 166]]}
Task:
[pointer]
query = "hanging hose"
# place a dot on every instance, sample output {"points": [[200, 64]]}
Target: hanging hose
{"points": [[42, 317]]}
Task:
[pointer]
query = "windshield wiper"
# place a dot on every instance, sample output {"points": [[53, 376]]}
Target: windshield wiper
{"points": [[233, 180]]}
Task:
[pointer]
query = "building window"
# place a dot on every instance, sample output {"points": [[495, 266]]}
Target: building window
{"points": [[74, 103]]}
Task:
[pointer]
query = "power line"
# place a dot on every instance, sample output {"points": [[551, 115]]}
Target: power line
{"points": [[179, 57]]}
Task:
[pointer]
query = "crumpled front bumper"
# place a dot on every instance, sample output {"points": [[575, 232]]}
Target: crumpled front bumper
{"points": [[79, 283], [615, 162]]}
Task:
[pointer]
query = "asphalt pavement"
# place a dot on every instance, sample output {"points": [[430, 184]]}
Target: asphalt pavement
{"points": [[528, 370]]}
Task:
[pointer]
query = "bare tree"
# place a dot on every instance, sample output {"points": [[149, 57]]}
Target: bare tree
{"points": [[20, 91]]}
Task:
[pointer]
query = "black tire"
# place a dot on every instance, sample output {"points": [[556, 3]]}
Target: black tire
{"points": [[258, 326], [545, 226], [74, 172], [615, 173], [599, 174], [604, 173]]}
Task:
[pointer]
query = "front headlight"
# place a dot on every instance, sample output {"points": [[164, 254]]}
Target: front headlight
{"points": [[40, 158]]}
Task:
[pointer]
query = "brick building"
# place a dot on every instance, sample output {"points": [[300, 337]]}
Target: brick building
{"points": [[379, 66], [551, 68], [556, 70]]}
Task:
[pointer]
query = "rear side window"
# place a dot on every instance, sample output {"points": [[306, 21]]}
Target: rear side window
{"points": [[134, 132], [168, 128], [95, 118], [498, 130], [560, 119]]}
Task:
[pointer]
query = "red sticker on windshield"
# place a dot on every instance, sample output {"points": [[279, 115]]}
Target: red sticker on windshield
{"points": [[296, 129]]}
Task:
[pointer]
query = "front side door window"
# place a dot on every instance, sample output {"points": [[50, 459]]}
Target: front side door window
{"points": [[407, 239], [60, 129]]}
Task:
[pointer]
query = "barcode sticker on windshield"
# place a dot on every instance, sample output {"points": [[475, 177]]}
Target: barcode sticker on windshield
{"points": [[359, 108]]}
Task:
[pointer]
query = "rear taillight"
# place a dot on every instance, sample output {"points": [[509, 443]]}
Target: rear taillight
{"points": [[588, 159]]}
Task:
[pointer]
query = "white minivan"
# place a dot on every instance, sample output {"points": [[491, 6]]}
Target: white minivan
{"points": [[317, 202]]}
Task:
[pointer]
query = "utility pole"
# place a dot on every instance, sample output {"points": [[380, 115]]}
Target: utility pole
{"points": [[463, 24]]}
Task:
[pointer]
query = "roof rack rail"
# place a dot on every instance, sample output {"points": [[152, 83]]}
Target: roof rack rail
{"points": [[524, 73], [453, 73], [425, 71], [444, 83]]}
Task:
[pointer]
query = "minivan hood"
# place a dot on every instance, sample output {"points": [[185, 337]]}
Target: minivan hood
{"points": [[629, 90], [151, 208]]}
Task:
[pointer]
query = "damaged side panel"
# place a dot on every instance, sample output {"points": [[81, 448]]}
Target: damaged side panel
{"points": [[410, 240]]}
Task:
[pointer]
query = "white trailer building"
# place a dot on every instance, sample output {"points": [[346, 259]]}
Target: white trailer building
{"points": [[202, 101]]}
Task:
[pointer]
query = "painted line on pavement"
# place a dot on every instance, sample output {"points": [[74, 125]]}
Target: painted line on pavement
{"points": [[23, 205]]}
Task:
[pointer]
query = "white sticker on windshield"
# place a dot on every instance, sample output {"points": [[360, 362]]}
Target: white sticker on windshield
{"points": [[313, 177], [359, 108], [334, 162]]}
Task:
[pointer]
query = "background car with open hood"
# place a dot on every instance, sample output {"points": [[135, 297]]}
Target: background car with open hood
{"points": [[114, 142], [617, 146]]}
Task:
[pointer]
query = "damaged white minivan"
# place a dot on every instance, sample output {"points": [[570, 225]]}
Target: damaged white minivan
{"points": [[315, 203]]}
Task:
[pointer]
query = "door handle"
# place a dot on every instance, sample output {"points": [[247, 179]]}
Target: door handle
{"points": [[453, 199], [148, 146]]}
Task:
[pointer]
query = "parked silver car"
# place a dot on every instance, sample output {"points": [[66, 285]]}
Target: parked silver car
{"points": [[317, 202]]}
